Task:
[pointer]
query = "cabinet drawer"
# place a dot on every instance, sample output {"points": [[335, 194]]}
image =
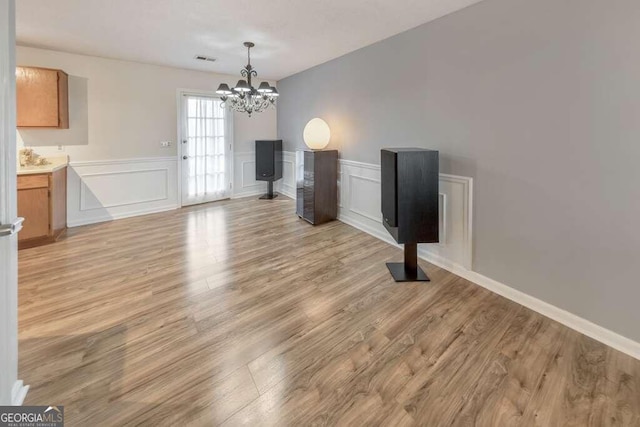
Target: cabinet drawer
{"points": [[26, 182]]}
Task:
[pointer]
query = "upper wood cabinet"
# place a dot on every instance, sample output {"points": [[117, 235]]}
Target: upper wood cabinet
{"points": [[42, 98]]}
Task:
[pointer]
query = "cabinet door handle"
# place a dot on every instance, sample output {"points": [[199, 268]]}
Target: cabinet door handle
{"points": [[12, 228]]}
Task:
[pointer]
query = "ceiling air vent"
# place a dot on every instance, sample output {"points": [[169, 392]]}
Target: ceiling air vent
{"points": [[205, 58]]}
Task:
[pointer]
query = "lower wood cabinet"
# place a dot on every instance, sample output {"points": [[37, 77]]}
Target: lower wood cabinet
{"points": [[42, 202]]}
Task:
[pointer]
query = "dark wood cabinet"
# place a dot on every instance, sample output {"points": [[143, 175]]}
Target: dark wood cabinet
{"points": [[317, 189]]}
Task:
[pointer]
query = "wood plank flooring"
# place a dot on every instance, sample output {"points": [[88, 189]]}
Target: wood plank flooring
{"points": [[239, 313]]}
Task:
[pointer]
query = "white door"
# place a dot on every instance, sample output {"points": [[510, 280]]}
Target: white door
{"points": [[205, 149], [11, 390]]}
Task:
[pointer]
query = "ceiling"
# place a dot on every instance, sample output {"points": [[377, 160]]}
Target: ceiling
{"points": [[290, 35]]}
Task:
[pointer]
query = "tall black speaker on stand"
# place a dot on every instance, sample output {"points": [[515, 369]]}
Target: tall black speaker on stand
{"points": [[269, 164], [410, 205]]}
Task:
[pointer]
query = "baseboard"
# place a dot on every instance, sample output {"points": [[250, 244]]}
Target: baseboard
{"points": [[251, 193], [19, 393], [279, 187], [287, 192], [129, 214], [590, 329]]}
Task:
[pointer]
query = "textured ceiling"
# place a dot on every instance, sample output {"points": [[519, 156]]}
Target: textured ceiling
{"points": [[290, 35]]}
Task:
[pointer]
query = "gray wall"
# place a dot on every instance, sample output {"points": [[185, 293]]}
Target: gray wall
{"points": [[539, 102]]}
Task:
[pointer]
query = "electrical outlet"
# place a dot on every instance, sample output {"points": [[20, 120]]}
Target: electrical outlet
{"points": [[165, 144], [60, 147]]}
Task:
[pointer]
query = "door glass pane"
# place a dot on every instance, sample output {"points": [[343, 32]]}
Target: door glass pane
{"points": [[206, 177]]}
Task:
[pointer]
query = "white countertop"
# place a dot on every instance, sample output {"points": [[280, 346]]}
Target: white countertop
{"points": [[55, 163]]}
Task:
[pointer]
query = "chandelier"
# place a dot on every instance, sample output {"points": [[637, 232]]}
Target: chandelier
{"points": [[244, 98]]}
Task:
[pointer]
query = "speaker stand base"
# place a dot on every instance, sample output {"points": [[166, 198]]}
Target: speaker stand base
{"points": [[268, 197], [270, 194], [409, 270], [401, 274]]}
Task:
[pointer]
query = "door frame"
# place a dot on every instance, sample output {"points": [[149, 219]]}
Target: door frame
{"points": [[229, 131], [12, 390]]}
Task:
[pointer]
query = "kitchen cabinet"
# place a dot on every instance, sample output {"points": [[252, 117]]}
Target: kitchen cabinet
{"points": [[42, 202], [42, 98]]}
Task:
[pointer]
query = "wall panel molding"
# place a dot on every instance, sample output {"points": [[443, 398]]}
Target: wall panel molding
{"points": [[158, 189], [360, 204], [287, 185], [105, 190], [136, 160], [245, 183]]}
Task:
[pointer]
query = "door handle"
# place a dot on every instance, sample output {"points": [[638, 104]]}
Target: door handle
{"points": [[12, 228], [185, 157]]}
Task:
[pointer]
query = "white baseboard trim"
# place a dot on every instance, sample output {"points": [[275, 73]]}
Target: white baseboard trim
{"points": [[286, 190], [590, 329], [570, 320], [260, 193], [19, 393], [252, 193], [128, 214]]}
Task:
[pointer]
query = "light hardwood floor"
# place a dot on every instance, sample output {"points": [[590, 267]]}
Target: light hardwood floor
{"points": [[239, 313]]}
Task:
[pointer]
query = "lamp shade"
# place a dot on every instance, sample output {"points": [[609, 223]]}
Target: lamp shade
{"points": [[242, 86], [223, 89], [316, 134], [264, 87]]}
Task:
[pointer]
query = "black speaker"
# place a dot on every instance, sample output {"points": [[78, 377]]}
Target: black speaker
{"points": [[410, 204], [269, 163]]}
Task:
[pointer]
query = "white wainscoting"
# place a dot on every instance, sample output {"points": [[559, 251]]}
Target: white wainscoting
{"points": [[359, 188], [100, 191], [105, 190], [287, 185], [245, 183], [359, 206]]}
